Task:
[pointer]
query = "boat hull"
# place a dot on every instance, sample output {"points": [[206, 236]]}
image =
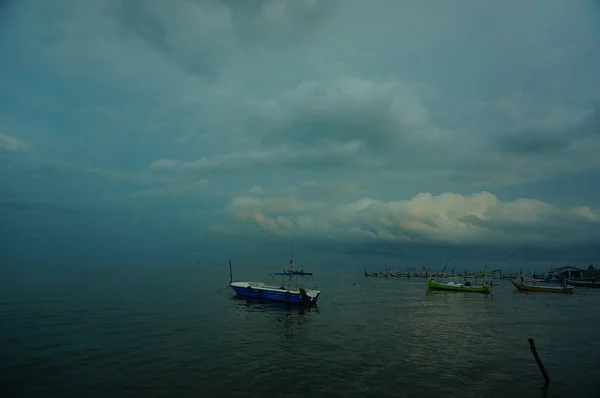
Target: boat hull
{"points": [[271, 293], [443, 286], [543, 289], [591, 284]]}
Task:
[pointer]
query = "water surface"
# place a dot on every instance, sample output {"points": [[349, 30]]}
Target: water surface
{"points": [[165, 331]]}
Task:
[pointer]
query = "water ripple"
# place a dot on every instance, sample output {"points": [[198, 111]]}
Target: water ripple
{"points": [[367, 338]]}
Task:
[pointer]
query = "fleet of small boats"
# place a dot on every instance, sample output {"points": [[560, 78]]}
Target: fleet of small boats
{"points": [[467, 282], [390, 273], [291, 290], [377, 274]]}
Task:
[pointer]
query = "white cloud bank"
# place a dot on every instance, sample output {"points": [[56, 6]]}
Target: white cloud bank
{"points": [[448, 218]]}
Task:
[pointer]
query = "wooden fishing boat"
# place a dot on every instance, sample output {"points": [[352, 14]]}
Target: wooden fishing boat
{"points": [[466, 286], [545, 288], [584, 283], [459, 287], [531, 285]]}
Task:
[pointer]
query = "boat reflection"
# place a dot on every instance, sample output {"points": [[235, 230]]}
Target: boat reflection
{"points": [[447, 297], [432, 293], [255, 304], [289, 321]]}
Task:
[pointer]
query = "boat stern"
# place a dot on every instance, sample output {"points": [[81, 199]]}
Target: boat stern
{"points": [[312, 296]]}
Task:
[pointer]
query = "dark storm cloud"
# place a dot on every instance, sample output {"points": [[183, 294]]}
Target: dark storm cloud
{"points": [[531, 143], [548, 142], [349, 124], [200, 34]]}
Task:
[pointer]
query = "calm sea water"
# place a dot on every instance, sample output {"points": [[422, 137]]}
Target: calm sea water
{"points": [[164, 331]]}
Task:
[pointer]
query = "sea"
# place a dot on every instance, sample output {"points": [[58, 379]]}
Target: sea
{"points": [[176, 330]]}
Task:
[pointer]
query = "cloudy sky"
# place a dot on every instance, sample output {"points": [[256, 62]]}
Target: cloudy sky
{"points": [[366, 131]]}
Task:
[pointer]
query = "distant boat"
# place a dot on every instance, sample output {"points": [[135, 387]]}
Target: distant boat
{"points": [[584, 283], [466, 286], [531, 285], [290, 291], [371, 273], [459, 287], [377, 274]]}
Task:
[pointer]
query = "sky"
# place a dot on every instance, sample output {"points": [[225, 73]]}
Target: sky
{"points": [[387, 131]]}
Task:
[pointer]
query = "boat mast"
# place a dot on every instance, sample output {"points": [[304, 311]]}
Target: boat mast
{"points": [[292, 256], [485, 272], [290, 267], [446, 265], [292, 264]]}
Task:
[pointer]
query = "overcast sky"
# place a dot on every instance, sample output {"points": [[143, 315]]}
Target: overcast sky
{"points": [[367, 131]]}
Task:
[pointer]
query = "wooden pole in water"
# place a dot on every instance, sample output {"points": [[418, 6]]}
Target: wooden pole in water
{"points": [[230, 273], [539, 362]]}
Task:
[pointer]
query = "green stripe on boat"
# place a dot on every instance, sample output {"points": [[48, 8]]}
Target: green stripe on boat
{"points": [[458, 287]]}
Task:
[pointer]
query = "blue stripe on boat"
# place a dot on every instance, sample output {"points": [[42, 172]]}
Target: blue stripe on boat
{"points": [[274, 294]]}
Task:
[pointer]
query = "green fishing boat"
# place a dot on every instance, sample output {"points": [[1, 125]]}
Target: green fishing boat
{"points": [[459, 287], [443, 283]]}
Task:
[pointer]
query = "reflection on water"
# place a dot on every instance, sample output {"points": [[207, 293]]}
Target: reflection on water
{"points": [[255, 304], [287, 320], [165, 336]]}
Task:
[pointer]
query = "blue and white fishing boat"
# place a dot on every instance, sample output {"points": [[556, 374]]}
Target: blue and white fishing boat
{"points": [[291, 290]]}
